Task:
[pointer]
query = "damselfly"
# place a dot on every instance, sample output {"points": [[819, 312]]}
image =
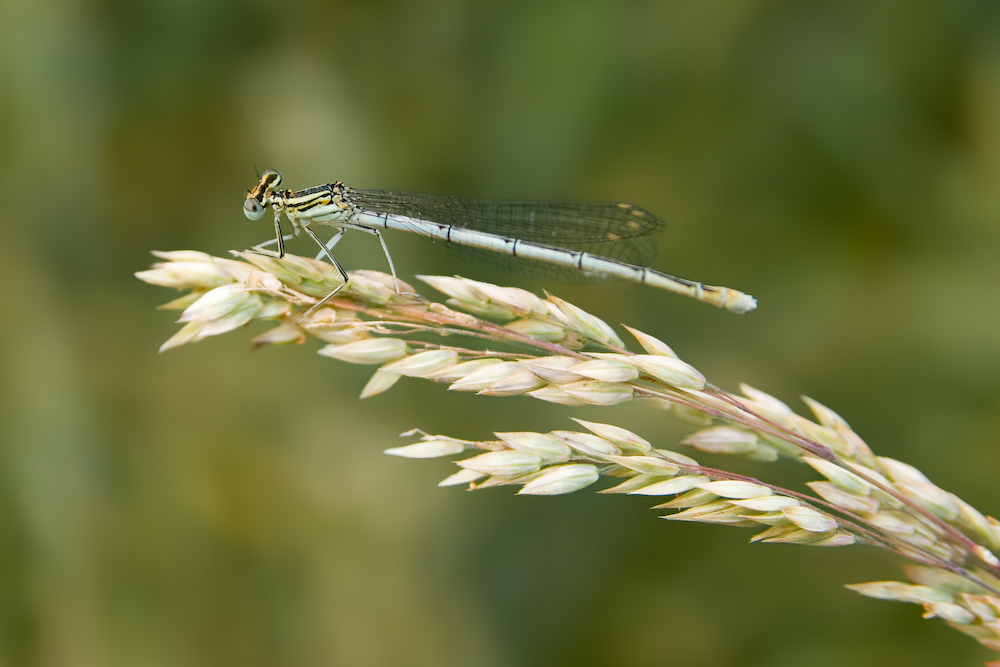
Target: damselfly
{"points": [[565, 240]]}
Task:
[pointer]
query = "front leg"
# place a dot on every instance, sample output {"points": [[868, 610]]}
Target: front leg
{"points": [[259, 249], [277, 232], [279, 238]]}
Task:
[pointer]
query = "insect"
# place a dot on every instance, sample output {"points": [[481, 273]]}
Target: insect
{"points": [[567, 240]]}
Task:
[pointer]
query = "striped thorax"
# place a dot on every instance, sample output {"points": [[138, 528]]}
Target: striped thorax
{"points": [[325, 203]]}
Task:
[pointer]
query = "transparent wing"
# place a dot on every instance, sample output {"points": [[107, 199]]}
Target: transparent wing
{"points": [[614, 230]]}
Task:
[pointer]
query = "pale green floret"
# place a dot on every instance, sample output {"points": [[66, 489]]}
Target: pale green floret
{"points": [[189, 333], [451, 286], [307, 269], [768, 402], [841, 498], [893, 521], [691, 498], [197, 269], [719, 511], [554, 369], [710, 507], [650, 344], [669, 370], [688, 415], [539, 329], [860, 451], [948, 611], [843, 478], [272, 311], [792, 534], [380, 381], [217, 311], [181, 302], [596, 392], [515, 384], [385, 280], [809, 519], [264, 281], [555, 394], [428, 449], [985, 607], [972, 520], [868, 472], [898, 471], [458, 371], [895, 590], [327, 315], [457, 288], [367, 351], [676, 457], [735, 489], [506, 463], [782, 447], [766, 503], [823, 435], [561, 479], [839, 539], [633, 483], [371, 291], [645, 464], [606, 370], [673, 486], [276, 267], [583, 322], [824, 415], [283, 334], [487, 311], [508, 480], [481, 378], [775, 518], [547, 446], [423, 363], [943, 580], [186, 275], [518, 301], [179, 256], [467, 297], [936, 500], [626, 440], [221, 302], [464, 476], [587, 444], [778, 532], [341, 332], [723, 440]]}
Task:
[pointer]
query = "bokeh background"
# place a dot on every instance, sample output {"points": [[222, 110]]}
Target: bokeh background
{"points": [[213, 506]]}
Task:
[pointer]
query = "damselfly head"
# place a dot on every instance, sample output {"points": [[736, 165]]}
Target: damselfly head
{"points": [[257, 198]]}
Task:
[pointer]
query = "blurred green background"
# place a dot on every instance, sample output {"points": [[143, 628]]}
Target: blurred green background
{"points": [[211, 506]]}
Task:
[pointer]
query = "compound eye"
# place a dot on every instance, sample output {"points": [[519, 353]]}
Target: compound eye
{"points": [[271, 178], [253, 209]]}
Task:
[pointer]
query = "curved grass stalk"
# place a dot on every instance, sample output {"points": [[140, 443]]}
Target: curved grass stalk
{"points": [[562, 354]]}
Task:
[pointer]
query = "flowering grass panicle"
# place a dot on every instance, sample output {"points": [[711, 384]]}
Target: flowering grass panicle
{"points": [[561, 354]]}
